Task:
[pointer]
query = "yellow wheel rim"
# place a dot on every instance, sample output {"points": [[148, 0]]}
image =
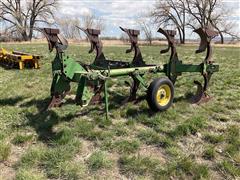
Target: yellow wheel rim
{"points": [[163, 95]]}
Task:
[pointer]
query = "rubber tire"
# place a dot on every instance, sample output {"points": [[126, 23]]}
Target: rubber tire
{"points": [[152, 93]]}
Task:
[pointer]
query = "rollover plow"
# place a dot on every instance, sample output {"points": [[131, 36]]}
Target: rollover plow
{"points": [[15, 59], [92, 79]]}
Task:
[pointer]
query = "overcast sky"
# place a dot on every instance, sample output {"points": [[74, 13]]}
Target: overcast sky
{"points": [[124, 13]]}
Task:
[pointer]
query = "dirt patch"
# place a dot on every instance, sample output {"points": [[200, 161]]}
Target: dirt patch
{"points": [[6, 172], [153, 152], [7, 169]]}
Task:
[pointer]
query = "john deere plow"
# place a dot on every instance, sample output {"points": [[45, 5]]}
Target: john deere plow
{"points": [[20, 60], [92, 79]]}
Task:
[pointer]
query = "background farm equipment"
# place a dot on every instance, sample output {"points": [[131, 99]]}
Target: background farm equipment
{"points": [[15, 59], [93, 79]]}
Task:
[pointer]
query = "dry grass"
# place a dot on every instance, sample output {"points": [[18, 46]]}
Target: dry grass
{"points": [[116, 43]]}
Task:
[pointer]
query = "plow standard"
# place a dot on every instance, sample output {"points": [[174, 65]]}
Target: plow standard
{"points": [[15, 59], [92, 79]]}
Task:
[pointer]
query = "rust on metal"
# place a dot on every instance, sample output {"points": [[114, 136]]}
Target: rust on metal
{"points": [[201, 95], [56, 101], [55, 40], [133, 37], [170, 35], [206, 34]]}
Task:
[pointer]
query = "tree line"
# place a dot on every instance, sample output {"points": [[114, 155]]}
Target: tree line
{"points": [[183, 14], [20, 17]]}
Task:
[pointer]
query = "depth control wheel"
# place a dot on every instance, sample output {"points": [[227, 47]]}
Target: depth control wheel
{"points": [[160, 94]]}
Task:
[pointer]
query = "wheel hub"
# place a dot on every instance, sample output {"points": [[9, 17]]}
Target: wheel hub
{"points": [[163, 95]]}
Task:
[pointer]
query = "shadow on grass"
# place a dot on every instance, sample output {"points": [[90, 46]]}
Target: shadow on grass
{"points": [[117, 101], [134, 113], [11, 101], [43, 123], [44, 120], [185, 98], [5, 67], [15, 67], [41, 104]]}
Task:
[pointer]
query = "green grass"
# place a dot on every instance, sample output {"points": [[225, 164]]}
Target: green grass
{"points": [[231, 168], [98, 160], [32, 157], [5, 150], [185, 142], [213, 138], [126, 146], [151, 137], [233, 140], [188, 127], [21, 139], [64, 137], [24, 174], [137, 165], [184, 167], [209, 153], [56, 162], [120, 130], [147, 166]]}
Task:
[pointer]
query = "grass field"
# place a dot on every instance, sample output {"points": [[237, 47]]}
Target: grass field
{"points": [[185, 142]]}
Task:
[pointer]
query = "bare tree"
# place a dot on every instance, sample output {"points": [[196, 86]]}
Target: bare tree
{"points": [[147, 30], [92, 22], [194, 14], [201, 12], [22, 16], [68, 27], [226, 28], [99, 24], [88, 20], [222, 22], [172, 12], [210, 13], [124, 37]]}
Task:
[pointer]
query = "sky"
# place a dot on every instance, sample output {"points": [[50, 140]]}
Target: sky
{"points": [[114, 13], [124, 13]]}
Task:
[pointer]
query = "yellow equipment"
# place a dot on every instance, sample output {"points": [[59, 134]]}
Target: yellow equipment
{"points": [[18, 59]]}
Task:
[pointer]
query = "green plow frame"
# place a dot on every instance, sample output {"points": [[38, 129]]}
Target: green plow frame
{"points": [[92, 79]]}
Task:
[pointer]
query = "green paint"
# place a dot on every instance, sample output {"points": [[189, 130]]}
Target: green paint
{"points": [[106, 98], [70, 66], [84, 95]]}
